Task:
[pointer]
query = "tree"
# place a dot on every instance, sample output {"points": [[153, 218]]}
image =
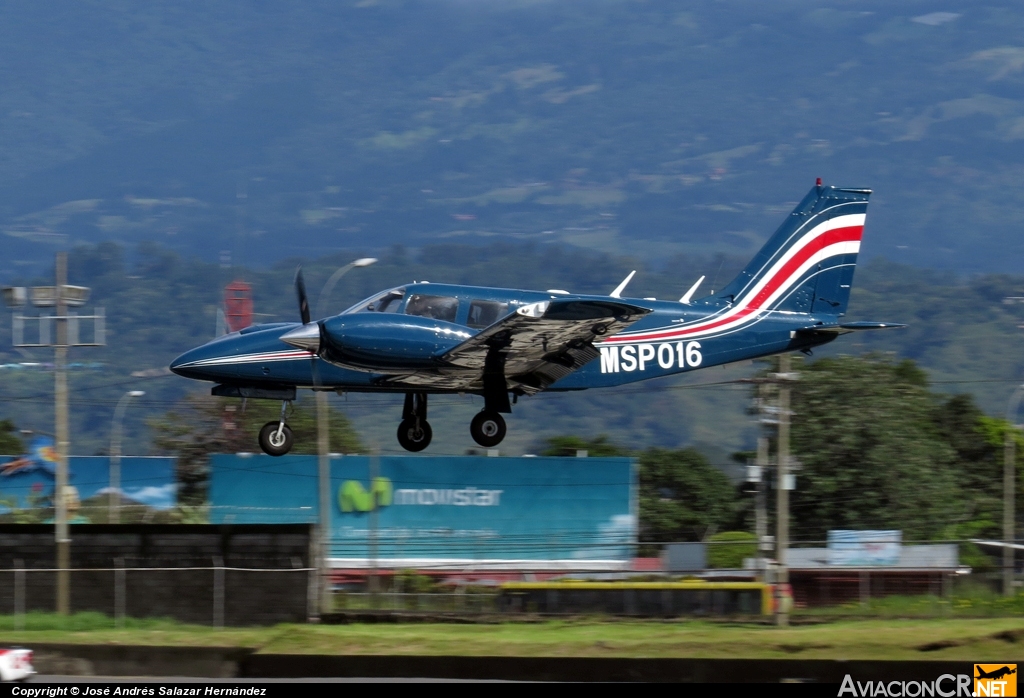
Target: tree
{"points": [[203, 425], [728, 549], [682, 496], [878, 449]]}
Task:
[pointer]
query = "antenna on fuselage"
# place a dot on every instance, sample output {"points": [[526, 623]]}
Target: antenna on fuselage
{"points": [[617, 293], [689, 294]]}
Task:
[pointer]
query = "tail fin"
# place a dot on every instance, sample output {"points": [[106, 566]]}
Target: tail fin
{"points": [[807, 265]]}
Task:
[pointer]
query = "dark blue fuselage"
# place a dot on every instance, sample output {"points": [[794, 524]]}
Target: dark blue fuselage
{"points": [[651, 348]]}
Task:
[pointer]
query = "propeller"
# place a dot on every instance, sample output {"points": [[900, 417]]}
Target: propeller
{"points": [[300, 291], [308, 335]]}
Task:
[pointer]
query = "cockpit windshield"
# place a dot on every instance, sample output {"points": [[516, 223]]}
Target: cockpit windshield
{"points": [[386, 302]]}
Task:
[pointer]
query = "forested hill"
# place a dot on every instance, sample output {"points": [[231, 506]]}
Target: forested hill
{"points": [[259, 131], [966, 333]]}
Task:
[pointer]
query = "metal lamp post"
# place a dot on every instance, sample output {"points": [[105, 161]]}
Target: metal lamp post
{"points": [[1009, 483], [324, 450], [114, 502], [329, 284]]}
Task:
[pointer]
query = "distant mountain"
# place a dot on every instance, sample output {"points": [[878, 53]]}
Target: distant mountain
{"points": [[250, 132]]}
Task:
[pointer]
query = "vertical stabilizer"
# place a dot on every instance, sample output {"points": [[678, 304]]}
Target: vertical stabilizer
{"points": [[807, 265]]}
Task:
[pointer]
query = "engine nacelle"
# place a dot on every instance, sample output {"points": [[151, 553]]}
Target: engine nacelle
{"points": [[385, 341]]}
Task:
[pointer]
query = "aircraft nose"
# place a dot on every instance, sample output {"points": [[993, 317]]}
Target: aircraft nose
{"points": [[186, 364]]}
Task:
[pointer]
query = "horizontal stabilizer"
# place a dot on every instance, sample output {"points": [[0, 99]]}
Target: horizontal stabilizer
{"points": [[871, 326], [847, 327]]}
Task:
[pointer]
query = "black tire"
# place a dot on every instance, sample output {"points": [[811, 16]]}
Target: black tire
{"points": [[412, 438], [488, 429], [271, 444]]}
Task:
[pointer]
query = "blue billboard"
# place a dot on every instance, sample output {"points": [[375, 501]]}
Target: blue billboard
{"points": [[446, 511]]}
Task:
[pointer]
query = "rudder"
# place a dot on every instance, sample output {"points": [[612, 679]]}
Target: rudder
{"points": [[807, 265]]}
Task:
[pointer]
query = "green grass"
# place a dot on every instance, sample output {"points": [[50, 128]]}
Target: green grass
{"points": [[998, 639], [974, 605]]}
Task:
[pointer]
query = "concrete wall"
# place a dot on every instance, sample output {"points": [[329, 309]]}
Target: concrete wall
{"points": [[160, 578]]}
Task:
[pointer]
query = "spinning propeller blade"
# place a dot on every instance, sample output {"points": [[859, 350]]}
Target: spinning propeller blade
{"points": [[309, 333], [300, 290]]}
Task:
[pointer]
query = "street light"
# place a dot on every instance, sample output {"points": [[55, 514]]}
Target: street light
{"points": [[114, 501], [329, 285], [324, 450], [1009, 472]]}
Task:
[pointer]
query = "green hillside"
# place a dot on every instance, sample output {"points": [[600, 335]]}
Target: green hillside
{"points": [[256, 132]]}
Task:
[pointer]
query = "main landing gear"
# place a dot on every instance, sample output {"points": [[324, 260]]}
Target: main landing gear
{"points": [[275, 437], [414, 433], [487, 428]]}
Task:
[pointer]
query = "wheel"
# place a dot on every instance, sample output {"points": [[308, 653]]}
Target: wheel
{"points": [[487, 428], [413, 438], [274, 444]]}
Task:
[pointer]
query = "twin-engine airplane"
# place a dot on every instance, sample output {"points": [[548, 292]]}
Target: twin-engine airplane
{"points": [[425, 338]]}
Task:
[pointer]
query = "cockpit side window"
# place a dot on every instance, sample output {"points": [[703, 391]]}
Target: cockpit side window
{"points": [[436, 307], [485, 313], [389, 303], [386, 302]]}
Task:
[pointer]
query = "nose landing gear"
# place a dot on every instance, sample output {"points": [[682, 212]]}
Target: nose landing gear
{"points": [[414, 433], [275, 437]]}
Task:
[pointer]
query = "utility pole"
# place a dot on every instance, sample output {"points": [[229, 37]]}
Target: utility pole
{"points": [[1009, 483], [66, 325], [324, 529], [782, 486], [373, 581], [1008, 511], [60, 370], [761, 500]]}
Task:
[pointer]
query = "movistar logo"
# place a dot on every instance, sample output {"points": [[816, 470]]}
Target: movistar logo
{"points": [[352, 496]]}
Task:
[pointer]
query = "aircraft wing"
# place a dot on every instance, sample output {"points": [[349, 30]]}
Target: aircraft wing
{"points": [[542, 342], [533, 346]]}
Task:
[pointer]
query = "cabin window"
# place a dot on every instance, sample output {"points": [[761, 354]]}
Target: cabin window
{"points": [[386, 302], [436, 307], [485, 313]]}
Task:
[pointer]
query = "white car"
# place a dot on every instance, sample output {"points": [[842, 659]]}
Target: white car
{"points": [[15, 664]]}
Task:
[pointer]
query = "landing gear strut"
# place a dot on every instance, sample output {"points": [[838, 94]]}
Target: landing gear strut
{"points": [[487, 428], [275, 437], [414, 433]]}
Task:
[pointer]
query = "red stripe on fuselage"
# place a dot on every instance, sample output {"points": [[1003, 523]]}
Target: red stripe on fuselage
{"points": [[781, 279]]}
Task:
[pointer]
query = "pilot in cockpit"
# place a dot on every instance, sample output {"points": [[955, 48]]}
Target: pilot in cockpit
{"points": [[434, 307]]}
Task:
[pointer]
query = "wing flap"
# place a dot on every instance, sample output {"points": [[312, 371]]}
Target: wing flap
{"points": [[545, 341]]}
